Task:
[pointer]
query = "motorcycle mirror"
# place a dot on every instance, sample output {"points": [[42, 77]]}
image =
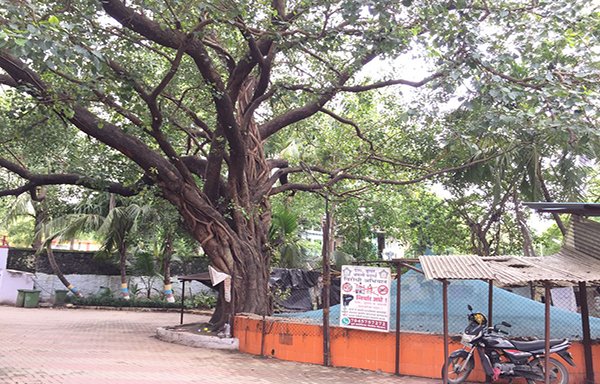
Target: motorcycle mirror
{"points": [[469, 307], [506, 324]]}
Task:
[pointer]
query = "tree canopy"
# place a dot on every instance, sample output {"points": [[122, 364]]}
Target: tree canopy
{"points": [[197, 100]]}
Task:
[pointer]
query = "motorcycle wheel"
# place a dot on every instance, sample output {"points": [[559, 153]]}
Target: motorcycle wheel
{"points": [[558, 372], [455, 374]]}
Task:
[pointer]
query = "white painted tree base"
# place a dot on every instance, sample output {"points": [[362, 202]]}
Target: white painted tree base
{"points": [[197, 341]]}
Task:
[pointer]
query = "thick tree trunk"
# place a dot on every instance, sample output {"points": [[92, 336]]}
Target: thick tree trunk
{"points": [[229, 214], [235, 244], [250, 276]]}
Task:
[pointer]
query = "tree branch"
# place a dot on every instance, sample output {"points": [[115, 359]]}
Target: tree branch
{"points": [[206, 131], [351, 123], [222, 53], [382, 84], [89, 123], [105, 99], [36, 180], [336, 176], [526, 82], [7, 80], [311, 108], [196, 50]]}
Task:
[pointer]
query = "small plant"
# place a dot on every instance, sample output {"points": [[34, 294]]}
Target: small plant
{"points": [[102, 299], [201, 300], [279, 295], [105, 292], [117, 302], [135, 290]]}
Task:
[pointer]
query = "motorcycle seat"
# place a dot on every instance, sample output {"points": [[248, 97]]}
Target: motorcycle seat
{"points": [[528, 346]]}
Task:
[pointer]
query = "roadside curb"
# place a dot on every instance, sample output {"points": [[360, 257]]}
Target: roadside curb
{"points": [[135, 309], [196, 341]]}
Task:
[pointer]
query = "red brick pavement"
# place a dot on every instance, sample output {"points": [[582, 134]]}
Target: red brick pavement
{"points": [[67, 346]]}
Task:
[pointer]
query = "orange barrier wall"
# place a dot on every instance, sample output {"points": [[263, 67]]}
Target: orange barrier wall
{"points": [[420, 354]]}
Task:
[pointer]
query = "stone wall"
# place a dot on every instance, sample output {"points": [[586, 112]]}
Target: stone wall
{"points": [[91, 274], [90, 285], [87, 263]]}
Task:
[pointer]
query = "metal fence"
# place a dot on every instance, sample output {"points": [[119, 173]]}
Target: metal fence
{"points": [[420, 312]]}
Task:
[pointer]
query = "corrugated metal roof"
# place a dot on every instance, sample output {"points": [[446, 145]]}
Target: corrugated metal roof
{"points": [[455, 267], [514, 270], [583, 209], [577, 261], [584, 235], [560, 268]]}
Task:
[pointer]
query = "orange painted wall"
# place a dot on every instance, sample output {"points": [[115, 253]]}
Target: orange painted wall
{"points": [[420, 354]]}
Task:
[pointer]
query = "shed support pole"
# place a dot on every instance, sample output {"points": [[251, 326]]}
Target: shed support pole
{"points": [[262, 337], [182, 297], [587, 340], [490, 302], [232, 315], [445, 305], [327, 250], [547, 334], [398, 286]]}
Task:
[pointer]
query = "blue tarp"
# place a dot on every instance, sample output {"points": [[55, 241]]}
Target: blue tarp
{"points": [[421, 309]]}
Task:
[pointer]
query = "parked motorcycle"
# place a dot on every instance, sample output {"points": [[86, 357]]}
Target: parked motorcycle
{"points": [[504, 358]]}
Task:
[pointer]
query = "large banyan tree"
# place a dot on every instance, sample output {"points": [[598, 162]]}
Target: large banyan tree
{"points": [[185, 96]]}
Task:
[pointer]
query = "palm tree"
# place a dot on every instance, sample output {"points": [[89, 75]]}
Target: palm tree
{"points": [[166, 237], [115, 228], [35, 206], [57, 271], [285, 241], [24, 208]]}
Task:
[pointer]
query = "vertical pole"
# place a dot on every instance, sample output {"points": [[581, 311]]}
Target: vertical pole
{"points": [[398, 286], [587, 340], [326, 282], [182, 297], [547, 334], [262, 339], [445, 304], [232, 315], [490, 302]]}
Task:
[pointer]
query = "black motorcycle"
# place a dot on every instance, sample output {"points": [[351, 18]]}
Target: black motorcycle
{"points": [[504, 358]]}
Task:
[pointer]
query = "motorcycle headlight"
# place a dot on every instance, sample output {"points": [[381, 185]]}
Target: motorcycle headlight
{"points": [[467, 339]]}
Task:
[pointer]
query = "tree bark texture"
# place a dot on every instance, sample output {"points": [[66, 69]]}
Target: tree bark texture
{"points": [[561, 225], [166, 268], [58, 272], [123, 271], [528, 249]]}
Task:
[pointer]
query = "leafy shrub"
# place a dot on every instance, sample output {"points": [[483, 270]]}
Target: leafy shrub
{"points": [[107, 301], [199, 301]]}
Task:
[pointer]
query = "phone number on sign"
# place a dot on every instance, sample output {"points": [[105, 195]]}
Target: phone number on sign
{"points": [[366, 323]]}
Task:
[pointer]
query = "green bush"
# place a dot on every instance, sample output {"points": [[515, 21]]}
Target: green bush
{"points": [[107, 301], [199, 301]]}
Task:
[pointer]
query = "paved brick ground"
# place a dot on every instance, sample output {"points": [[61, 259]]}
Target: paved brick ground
{"points": [[66, 346]]}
